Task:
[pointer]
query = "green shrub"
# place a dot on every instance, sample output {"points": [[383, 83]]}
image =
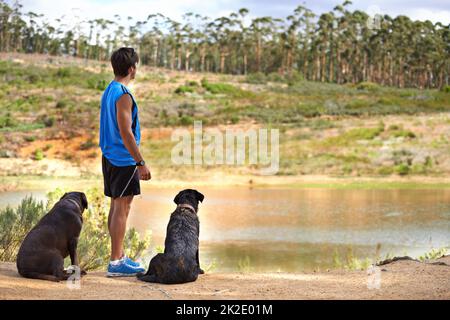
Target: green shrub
{"points": [[61, 104], [184, 89], [256, 78], [244, 265], [398, 131], [134, 245], [364, 133], [8, 121], [34, 77], [188, 87], [186, 108], [418, 168], [321, 124], [275, 77], [48, 121], [404, 133], [24, 127], [402, 169], [445, 89], [4, 154], [223, 88], [192, 83], [357, 104], [15, 224], [385, 171], [234, 119], [204, 81], [433, 254], [186, 120], [350, 262], [88, 145], [394, 127], [63, 72], [101, 85], [293, 77], [38, 154], [353, 135], [370, 86], [96, 84], [218, 88], [428, 161]]}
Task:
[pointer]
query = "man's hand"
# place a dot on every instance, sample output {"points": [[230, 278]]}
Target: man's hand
{"points": [[144, 173]]}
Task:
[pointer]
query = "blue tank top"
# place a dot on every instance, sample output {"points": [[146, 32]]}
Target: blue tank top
{"points": [[111, 142]]}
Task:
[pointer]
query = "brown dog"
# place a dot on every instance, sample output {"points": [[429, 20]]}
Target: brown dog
{"points": [[42, 253], [180, 262]]}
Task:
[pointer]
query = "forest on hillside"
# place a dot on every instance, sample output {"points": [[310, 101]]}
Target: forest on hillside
{"points": [[340, 46]]}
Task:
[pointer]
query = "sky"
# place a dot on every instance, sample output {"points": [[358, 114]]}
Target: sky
{"points": [[434, 10]]}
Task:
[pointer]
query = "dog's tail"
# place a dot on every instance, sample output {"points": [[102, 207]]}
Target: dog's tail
{"points": [[147, 277]]}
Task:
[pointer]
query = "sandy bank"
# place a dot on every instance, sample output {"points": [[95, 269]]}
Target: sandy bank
{"points": [[399, 280]]}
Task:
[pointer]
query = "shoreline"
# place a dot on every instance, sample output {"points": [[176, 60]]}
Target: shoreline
{"points": [[403, 279], [27, 182]]}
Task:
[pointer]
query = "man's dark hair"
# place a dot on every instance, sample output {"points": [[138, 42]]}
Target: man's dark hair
{"points": [[122, 59]]}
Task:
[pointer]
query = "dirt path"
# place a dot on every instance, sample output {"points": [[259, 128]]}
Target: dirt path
{"points": [[399, 280]]}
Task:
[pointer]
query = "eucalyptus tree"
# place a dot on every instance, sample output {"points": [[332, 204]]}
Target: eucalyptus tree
{"points": [[440, 58], [151, 42], [203, 43], [174, 41], [324, 42], [260, 28], [338, 46], [187, 39], [296, 38], [342, 43], [222, 35]]}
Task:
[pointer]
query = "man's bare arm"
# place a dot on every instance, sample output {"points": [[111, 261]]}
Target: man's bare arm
{"points": [[125, 120]]}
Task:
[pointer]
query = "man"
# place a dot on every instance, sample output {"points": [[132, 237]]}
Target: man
{"points": [[122, 163]]}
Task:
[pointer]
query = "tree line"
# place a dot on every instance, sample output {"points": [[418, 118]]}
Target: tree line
{"points": [[340, 46]]}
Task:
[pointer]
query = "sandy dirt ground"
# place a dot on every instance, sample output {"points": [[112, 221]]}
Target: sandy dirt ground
{"points": [[398, 280]]}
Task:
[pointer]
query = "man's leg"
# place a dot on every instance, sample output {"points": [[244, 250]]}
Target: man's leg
{"points": [[111, 212], [118, 223]]}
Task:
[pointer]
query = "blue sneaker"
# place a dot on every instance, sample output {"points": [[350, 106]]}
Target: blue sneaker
{"points": [[132, 263], [123, 270]]}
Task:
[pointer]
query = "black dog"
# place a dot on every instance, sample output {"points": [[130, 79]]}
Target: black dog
{"points": [[179, 263], [42, 253]]}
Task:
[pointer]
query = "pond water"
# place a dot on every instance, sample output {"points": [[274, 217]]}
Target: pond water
{"points": [[293, 230]]}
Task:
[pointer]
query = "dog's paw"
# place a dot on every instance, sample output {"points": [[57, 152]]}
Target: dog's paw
{"points": [[83, 272], [201, 271]]}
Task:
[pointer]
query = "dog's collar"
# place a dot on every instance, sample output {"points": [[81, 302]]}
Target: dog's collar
{"points": [[78, 206], [185, 205]]}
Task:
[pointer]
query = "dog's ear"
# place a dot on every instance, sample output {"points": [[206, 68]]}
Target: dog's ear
{"points": [[177, 198], [84, 201], [199, 196], [65, 194]]}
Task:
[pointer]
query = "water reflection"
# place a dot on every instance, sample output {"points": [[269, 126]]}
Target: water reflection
{"points": [[297, 229], [291, 230]]}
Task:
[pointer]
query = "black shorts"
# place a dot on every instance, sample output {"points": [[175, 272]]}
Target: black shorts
{"points": [[115, 180]]}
